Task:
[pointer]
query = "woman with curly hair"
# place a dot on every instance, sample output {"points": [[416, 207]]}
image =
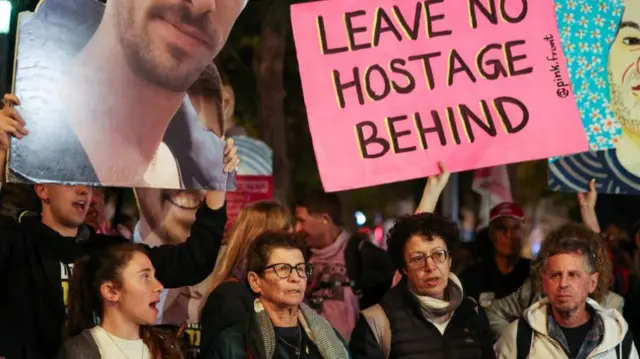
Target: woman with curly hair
{"points": [[427, 314]]}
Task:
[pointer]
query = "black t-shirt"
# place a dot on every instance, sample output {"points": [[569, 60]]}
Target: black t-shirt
{"points": [[575, 337], [484, 282], [290, 339]]}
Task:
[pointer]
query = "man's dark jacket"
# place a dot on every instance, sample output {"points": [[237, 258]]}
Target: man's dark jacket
{"points": [[32, 310]]}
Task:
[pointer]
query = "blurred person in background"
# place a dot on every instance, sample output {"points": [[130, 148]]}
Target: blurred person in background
{"points": [[231, 301], [349, 273], [97, 216], [506, 271], [631, 310]]}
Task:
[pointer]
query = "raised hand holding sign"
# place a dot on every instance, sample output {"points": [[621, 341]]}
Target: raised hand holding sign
{"points": [[471, 83]]}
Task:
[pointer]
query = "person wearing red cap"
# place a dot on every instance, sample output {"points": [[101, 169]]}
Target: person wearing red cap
{"points": [[501, 275]]}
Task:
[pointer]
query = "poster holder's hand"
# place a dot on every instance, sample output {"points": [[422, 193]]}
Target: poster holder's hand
{"points": [[11, 123], [231, 159], [587, 202], [433, 189], [215, 199]]}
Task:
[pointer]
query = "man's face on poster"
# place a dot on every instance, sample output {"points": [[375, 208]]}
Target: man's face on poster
{"points": [[624, 69], [169, 42], [169, 213]]}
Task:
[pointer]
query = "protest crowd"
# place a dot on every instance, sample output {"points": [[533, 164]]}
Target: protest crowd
{"points": [[405, 302], [208, 270]]}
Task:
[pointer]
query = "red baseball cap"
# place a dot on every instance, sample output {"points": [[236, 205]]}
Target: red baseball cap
{"points": [[506, 209]]}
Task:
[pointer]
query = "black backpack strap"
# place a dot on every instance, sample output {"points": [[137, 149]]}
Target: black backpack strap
{"points": [[353, 261], [524, 335], [626, 346]]}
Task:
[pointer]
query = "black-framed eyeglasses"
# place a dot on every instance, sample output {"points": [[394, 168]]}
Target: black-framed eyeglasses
{"points": [[284, 270], [420, 261]]}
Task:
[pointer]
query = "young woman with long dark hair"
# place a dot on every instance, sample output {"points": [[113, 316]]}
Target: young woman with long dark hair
{"points": [[112, 305]]}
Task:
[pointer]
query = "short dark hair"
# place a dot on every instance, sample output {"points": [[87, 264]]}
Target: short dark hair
{"points": [[319, 202], [209, 87], [427, 225], [262, 247], [208, 84]]}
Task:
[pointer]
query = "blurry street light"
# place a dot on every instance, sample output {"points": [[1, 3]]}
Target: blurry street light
{"points": [[5, 16]]}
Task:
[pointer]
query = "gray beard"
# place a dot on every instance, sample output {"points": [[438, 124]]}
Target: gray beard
{"points": [[566, 314]]}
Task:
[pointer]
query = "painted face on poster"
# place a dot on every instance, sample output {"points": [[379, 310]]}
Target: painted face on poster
{"points": [[100, 86], [609, 97]]}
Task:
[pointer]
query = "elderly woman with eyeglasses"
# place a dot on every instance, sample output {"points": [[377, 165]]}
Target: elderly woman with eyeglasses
{"points": [[427, 312], [280, 325]]}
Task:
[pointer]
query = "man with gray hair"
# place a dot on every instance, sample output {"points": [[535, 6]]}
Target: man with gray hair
{"points": [[567, 323]]}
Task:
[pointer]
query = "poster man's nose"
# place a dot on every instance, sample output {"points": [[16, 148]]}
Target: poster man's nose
{"points": [[81, 189], [202, 6]]}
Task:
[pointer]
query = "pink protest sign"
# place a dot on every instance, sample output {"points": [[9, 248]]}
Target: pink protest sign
{"points": [[393, 87], [249, 189]]}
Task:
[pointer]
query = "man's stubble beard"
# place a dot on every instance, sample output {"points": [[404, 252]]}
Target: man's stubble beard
{"points": [[143, 62], [566, 313], [173, 234], [155, 213], [622, 112]]}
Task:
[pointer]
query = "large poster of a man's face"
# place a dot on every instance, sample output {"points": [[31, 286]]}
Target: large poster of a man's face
{"points": [[609, 89], [102, 88], [166, 215]]}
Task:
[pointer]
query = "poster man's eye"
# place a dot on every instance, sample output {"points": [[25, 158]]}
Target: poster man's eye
{"points": [[631, 41]]}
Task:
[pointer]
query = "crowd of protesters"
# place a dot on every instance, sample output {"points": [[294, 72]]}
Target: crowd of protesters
{"points": [[293, 283]]}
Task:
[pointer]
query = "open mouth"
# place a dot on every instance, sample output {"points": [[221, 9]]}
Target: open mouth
{"points": [[80, 206], [636, 88], [154, 305], [184, 199], [432, 282]]}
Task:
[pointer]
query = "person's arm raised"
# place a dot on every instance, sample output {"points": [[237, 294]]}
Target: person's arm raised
{"points": [[11, 124], [587, 202], [432, 191], [191, 262], [430, 196]]}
